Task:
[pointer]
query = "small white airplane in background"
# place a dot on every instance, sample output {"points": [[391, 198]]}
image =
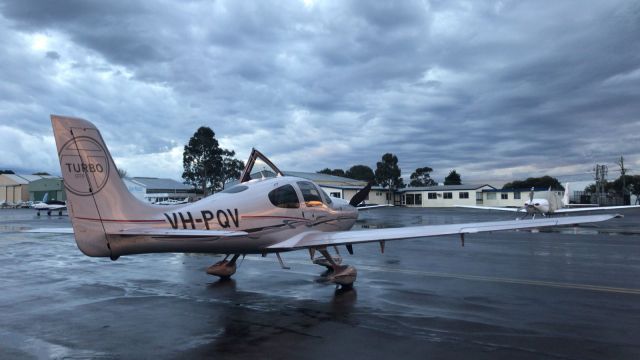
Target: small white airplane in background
{"points": [[50, 205], [260, 215], [550, 205]]}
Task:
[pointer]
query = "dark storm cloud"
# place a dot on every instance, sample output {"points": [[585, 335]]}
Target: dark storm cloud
{"points": [[504, 88]]}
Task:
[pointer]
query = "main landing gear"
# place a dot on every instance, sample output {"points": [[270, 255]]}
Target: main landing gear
{"points": [[344, 275], [224, 268]]}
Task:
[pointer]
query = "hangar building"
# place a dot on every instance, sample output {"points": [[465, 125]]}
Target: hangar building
{"points": [[14, 188], [53, 187], [155, 190], [443, 195]]}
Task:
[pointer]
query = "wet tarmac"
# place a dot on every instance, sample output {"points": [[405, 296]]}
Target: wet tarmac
{"points": [[572, 293]]}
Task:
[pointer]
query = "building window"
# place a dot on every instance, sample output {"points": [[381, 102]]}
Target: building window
{"points": [[447, 195], [335, 195], [516, 195], [491, 196], [409, 199], [378, 193], [431, 196], [418, 199], [504, 196], [463, 195]]}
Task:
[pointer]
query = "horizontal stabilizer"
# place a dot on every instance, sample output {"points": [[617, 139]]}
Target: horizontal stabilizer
{"points": [[66, 230]]}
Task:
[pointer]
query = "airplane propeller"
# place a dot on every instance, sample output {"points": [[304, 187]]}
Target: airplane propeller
{"points": [[361, 195], [530, 204]]}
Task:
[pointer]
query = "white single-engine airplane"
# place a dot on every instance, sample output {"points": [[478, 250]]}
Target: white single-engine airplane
{"points": [[50, 205], [259, 215], [552, 204]]}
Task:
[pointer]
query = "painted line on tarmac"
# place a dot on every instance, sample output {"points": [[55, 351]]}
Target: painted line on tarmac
{"points": [[561, 285]]}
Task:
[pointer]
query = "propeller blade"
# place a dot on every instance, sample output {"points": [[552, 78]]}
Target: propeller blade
{"points": [[531, 196], [361, 195]]}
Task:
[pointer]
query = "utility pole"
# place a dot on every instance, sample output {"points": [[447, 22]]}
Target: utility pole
{"points": [[601, 180], [623, 172]]}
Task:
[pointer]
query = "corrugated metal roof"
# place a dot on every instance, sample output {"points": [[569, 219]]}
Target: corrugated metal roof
{"points": [[326, 179], [351, 187], [538, 189], [445, 187], [22, 178], [159, 183]]}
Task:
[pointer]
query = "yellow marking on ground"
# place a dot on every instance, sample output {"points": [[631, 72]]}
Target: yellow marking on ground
{"points": [[618, 290]]}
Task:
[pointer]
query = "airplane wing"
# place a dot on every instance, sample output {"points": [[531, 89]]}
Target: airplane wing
{"points": [[312, 239], [598, 208], [511, 209]]}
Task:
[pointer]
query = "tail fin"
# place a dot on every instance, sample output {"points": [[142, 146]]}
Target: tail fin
{"points": [[565, 198], [97, 199]]}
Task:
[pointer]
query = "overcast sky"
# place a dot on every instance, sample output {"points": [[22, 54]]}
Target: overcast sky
{"points": [[496, 90]]}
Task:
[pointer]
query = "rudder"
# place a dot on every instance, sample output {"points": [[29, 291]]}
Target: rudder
{"points": [[97, 199]]}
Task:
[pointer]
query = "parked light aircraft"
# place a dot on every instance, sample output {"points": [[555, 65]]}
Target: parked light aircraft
{"points": [[552, 204], [50, 205], [260, 215]]}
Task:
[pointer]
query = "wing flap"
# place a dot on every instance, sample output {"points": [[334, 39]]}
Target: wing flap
{"points": [[318, 239]]}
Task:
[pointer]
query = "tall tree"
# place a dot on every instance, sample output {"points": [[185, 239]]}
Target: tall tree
{"points": [[42, 173], [388, 173], [232, 168], [334, 172], [6, 171], [453, 178], [535, 182], [422, 177], [205, 163], [361, 172]]}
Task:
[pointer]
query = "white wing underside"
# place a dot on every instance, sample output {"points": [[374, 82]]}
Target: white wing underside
{"points": [[598, 208], [558, 211], [318, 239]]}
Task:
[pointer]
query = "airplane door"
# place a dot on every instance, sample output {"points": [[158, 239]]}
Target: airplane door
{"points": [[314, 209]]}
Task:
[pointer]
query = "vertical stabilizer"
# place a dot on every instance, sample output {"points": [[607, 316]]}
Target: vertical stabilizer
{"points": [[97, 199], [567, 192]]}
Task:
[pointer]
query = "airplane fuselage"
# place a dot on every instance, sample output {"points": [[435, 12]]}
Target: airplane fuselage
{"points": [[268, 210]]}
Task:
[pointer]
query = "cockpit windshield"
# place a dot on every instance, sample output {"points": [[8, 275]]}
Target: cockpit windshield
{"points": [[259, 167]]}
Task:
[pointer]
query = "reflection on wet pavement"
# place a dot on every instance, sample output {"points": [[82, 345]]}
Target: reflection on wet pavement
{"points": [[569, 294]]}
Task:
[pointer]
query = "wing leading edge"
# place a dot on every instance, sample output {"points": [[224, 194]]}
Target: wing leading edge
{"points": [[319, 239]]}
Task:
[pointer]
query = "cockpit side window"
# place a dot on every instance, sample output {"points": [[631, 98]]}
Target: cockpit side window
{"points": [[284, 197], [310, 194], [326, 196]]}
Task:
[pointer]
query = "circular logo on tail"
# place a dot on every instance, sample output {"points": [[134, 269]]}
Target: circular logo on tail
{"points": [[85, 166]]}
